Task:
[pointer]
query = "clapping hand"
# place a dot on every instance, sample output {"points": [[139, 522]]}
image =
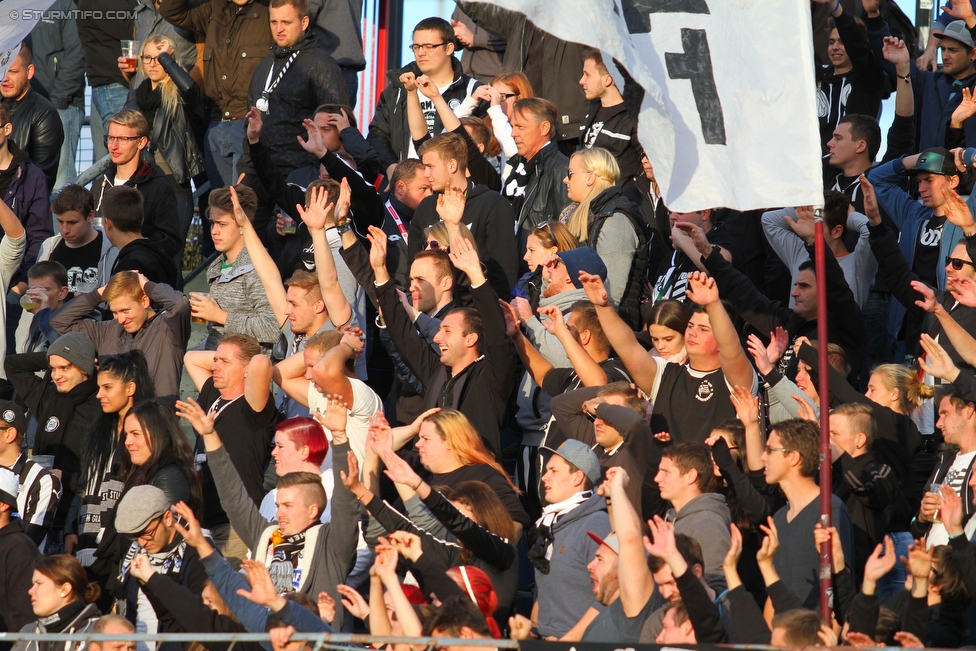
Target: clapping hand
{"points": [[379, 438], [769, 544], [262, 590], [956, 210], [805, 224], [951, 510], [333, 419], [936, 362], [327, 607], [928, 302], [882, 559], [596, 292], [353, 602], [450, 205], [318, 216], [313, 144], [963, 289], [871, 210], [194, 414], [746, 405], [702, 289], [400, 471], [465, 258], [351, 479]]}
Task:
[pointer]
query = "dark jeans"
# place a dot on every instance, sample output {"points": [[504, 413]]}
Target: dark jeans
{"points": [[352, 83], [879, 345]]}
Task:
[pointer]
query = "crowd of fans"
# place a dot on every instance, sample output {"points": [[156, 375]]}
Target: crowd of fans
{"points": [[466, 375]]}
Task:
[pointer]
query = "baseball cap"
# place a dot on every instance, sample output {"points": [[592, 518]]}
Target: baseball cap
{"points": [[610, 541], [957, 31], [140, 506], [583, 258], [936, 160], [580, 455], [9, 485], [13, 416]]}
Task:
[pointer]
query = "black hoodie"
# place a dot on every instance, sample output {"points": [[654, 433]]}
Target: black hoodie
{"points": [[144, 256], [492, 222], [160, 221]]}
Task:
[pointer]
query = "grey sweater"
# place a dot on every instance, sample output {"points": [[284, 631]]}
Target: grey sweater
{"points": [[566, 592], [335, 545], [706, 518], [859, 266], [533, 403], [239, 293], [616, 246]]}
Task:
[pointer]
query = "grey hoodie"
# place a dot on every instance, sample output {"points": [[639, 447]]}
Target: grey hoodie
{"points": [[706, 518], [533, 403], [566, 591]]}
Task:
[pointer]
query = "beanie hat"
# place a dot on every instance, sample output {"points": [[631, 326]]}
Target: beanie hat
{"points": [[78, 349]]}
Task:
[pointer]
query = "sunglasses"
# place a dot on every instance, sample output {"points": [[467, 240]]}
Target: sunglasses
{"points": [[433, 245], [957, 263]]}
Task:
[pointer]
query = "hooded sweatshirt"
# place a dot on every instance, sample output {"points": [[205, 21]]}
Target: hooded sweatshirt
{"points": [[706, 518], [149, 259], [533, 403], [566, 591]]}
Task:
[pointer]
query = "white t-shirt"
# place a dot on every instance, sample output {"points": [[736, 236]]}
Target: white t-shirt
{"points": [[956, 479], [365, 404]]}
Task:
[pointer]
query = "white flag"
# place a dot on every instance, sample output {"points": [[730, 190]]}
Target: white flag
{"points": [[17, 19], [729, 112]]}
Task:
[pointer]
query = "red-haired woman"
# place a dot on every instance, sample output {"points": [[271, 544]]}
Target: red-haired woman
{"points": [[300, 445]]}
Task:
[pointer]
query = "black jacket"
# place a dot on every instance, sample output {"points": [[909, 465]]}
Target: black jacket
{"points": [[618, 135], [844, 322], [59, 60], [38, 132], [28, 197], [389, 132], [481, 390], [17, 554], [144, 256], [858, 91], [492, 222], [313, 79], [562, 61], [63, 419], [605, 205], [172, 133], [545, 196], [181, 611], [160, 223], [102, 39], [868, 487]]}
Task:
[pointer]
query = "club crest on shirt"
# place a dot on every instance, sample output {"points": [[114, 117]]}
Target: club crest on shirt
{"points": [[52, 424], [705, 391]]}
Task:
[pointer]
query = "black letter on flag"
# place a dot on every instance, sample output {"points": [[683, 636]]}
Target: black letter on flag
{"points": [[637, 13], [695, 64]]}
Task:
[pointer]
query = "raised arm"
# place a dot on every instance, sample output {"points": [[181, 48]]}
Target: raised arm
{"points": [[264, 265], [289, 374], [632, 560], [199, 366], [622, 339], [415, 115], [735, 364], [587, 369], [330, 370], [318, 217], [257, 382], [536, 365]]}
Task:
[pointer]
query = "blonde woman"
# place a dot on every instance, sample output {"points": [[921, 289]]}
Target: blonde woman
{"points": [[603, 219], [169, 98]]}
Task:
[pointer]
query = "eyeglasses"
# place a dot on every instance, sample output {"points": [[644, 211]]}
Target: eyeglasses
{"points": [[957, 263], [122, 139], [426, 47], [783, 450], [505, 96], [434, 245], [149, 535], [148, 59]]}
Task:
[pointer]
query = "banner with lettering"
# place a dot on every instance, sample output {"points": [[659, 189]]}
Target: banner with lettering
{"points": [[17, 19], [729, 116]]}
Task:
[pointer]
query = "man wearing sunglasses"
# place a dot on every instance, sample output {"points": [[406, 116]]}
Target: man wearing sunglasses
{"points": [[144, 515], [925, 236], [953, 262]]}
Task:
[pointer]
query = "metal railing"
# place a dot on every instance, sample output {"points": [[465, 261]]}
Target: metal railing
{"points": [[316, 640]]}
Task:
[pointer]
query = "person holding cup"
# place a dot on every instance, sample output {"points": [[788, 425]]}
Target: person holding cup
{"points": [[169, 98], [957, 421], [237, 302]]}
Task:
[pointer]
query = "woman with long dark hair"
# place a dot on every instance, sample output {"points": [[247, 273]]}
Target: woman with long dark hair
{"points": [[157, 452], [123, 381], [63, 600]]}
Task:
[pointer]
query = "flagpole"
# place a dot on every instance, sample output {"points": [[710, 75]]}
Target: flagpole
{"points": [[826, 569]]}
